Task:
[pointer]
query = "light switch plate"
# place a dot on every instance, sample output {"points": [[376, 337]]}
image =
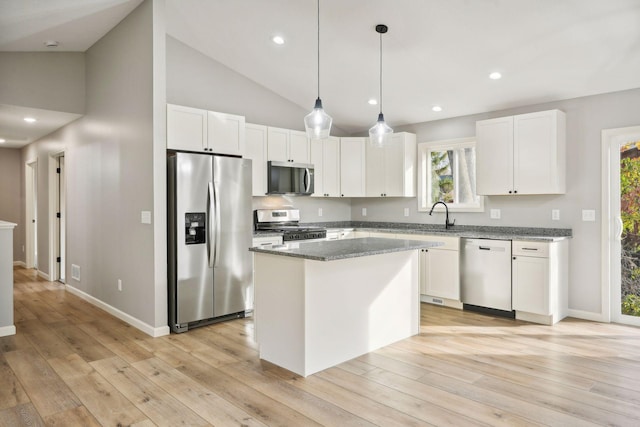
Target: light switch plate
{"points": [[588, 215], [364, 211], [145, 217], [495, 213], [555, 214]]}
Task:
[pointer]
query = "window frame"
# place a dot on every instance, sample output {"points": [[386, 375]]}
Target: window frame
{"points": [[424, 175]]}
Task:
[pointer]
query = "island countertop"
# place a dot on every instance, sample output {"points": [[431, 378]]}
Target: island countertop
{"points": [[331, 250]]}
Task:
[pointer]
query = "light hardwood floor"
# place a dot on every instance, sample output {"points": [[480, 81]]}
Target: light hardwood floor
{"points": [[71, 364]]}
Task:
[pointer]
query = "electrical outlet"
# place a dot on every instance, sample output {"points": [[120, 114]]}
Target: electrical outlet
{"points": [[406, 211], [145, 217], [319, 211], [119, 284], [555, 214], [22, 248], [364, 211], [495, 213], [588, 215]]}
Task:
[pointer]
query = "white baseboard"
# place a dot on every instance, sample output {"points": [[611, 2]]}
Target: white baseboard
{"points": [[136, 323], [587, 315], [44, 275], [5, 331], [19, 264]]}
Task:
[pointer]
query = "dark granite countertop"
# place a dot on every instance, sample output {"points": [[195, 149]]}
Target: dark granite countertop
{"points": [[468, 231], [332, 250]]}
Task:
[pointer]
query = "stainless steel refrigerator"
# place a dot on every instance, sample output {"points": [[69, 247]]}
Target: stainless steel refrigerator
{"points": [[210, 229]]}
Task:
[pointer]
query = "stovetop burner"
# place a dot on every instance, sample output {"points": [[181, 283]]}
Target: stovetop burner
{"points": [[285, 221]]}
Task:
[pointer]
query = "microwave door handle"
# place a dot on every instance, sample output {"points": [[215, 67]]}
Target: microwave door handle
{"points": [[216, 207], [307, 180], [210, 216]]}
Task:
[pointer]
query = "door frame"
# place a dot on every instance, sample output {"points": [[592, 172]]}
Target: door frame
{"points": [[31, 212], [611, 273], [56, 230]]}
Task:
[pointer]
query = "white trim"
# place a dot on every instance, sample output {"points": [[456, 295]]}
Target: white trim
{"points": [[5, 331], [587, 315], [44, 275], [136, 323], [19, 264], [609, 137]]}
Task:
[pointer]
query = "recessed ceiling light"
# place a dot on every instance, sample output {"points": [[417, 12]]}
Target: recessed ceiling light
{"points": [[495, 76], [436, 108], [373, 101], [30, 120], [51, 43], [2, 140], [278, 40]]}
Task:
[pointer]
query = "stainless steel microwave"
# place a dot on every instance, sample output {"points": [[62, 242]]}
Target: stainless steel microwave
{"points": [[289, 178]]}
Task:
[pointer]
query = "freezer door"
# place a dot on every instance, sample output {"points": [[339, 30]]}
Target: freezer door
{"points": [[232, 229], [194, 287]]}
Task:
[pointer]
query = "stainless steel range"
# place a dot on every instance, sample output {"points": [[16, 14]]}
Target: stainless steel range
{"points": [[287, 222]]}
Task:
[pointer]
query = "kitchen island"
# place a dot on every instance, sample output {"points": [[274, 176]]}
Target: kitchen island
{"points": [[318, 304]]}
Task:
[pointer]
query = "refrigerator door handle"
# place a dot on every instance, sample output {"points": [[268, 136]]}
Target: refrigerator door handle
{"points": [[211, 213], [307, 180], [216, 207]]}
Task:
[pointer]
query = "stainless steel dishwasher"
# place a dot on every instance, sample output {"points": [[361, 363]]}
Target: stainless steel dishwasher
{"points": [[486, 275]]}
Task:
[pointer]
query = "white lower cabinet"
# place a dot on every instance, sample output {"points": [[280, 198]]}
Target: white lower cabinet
{"points": [[539, 281]]}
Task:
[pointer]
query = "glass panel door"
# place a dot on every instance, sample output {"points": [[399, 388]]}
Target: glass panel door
{"points": [[629, 232]]}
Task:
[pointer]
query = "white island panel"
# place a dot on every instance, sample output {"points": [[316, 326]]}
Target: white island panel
{"points": [[311, 315]]}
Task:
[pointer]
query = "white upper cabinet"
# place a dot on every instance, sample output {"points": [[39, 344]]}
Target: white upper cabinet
{"points": [[225, 133], [194, 129], [325, 157], [256, 150], [523, 154], [391, 169], [186, 128], [285, 145], [352, 167]]}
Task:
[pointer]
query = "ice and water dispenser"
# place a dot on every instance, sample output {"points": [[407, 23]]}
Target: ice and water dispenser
{"points": [[195, 228]]}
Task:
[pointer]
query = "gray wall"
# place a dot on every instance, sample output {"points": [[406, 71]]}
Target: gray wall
{"points": [[50, 81], [586, 118], [109, 163], [333, 209], [196, 80], [10, 202]]}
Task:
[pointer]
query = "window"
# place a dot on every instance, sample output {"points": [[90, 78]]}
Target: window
{"points": [[447, 173]]}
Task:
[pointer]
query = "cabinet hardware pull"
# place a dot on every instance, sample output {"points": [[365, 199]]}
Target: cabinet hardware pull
{"points": [[529, 249], [484, 248]]}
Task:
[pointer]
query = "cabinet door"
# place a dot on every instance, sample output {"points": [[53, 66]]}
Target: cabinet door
{"points": [[375, 174], [277, 144], [186, 128], [225, 133], [331, 166], [536, 153], [316, 159], [494, 156], [442, 274], [256, 150], [530, 283], [394, 167], [298, 147], [352, 167]]}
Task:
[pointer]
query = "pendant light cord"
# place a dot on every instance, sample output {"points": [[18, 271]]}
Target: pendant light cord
{"points": [[380, 73], [318, 49]]}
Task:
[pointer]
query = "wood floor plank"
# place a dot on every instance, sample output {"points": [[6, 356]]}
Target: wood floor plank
{"points": [[76, 417], [116, 340], [200, 399], [21, 415], [153, 401], [82, 343], [11, 391], [101, 398], [44, 387]]}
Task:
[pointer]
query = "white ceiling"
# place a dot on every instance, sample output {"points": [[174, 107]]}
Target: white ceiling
{"points": [[435, 53]]}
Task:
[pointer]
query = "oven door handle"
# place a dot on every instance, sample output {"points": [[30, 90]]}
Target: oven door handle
{"points": [[307, 180]]}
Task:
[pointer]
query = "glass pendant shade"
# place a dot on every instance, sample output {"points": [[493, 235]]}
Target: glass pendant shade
{"points": [[317, 123], [380, 133]]}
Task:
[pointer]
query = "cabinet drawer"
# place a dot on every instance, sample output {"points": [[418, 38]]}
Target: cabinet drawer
{"points": [[533, 249], [267, 241]]}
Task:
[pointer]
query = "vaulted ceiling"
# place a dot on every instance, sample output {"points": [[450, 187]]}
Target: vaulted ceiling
{"points": [[435, 53]]}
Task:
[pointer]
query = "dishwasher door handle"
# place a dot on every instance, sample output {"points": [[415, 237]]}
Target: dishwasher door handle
{"points": [[484, 248]]}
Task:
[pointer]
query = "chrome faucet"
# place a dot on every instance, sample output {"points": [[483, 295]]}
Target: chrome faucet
{"points": [[447, 224]]}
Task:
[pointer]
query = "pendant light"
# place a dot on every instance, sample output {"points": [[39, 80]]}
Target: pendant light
{"points": [[380, 133], [318, 123]]}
